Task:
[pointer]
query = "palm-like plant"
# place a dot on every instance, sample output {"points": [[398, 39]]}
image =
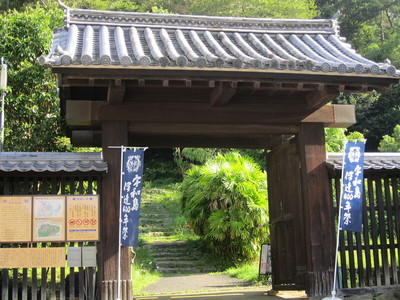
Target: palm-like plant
{"points": [[226, 202]]}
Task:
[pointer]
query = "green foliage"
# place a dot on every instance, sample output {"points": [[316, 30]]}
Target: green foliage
{"points": [[377, 114], [372, 26], [226, 202], [391, 143], [336, 137], [235, 8], [32, 118], [120, 5], [159, 166], [14, 4]]}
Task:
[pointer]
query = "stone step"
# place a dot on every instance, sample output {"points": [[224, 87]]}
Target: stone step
{"points": [[156, 221], [153, 229], [144, 232], [193, 270], [175, 256], [177, 263], [158, 216], [171, 245]]}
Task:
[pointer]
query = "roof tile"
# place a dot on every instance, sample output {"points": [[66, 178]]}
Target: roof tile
{"points": [[143, 40], [51, 162]]}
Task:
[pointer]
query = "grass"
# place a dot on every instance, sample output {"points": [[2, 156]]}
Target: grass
{"points": [[143, 270], [248, 271]]}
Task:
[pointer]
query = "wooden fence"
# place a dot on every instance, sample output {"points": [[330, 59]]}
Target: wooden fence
{"points": [[369, 260], [49, 283]]}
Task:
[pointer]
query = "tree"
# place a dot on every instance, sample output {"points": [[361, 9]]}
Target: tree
{"points": [[391, 143], [122, 5], [226, 202], [32, 118], [14, 4], [378, 17], [336, 137], [377, 114], [236, 8]]}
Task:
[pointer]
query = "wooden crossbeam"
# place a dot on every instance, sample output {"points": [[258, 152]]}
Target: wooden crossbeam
{"points": [[116, 92], [318, 98], [223, 93]]}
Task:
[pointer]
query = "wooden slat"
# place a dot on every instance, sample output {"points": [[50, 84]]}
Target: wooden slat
{"points": [[62, 283], [382, 232], [395, 187], [4, 283], [390, 228], [360, 261], [34, 281], [24, 292], [71, 282], [350, 254], [15, 284], [53, 295], [374, 227], [366, 234], [80, 186], [43, 285], [81, 283], [342, 251]]}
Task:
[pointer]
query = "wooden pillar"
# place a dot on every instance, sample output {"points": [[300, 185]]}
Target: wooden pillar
{"points": [[113, 134], [318, 214]]}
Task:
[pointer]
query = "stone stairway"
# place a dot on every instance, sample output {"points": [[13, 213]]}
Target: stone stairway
{"points": [[157, 228]]}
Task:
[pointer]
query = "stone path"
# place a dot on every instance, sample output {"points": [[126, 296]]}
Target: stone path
{"points": [[193, 283]]}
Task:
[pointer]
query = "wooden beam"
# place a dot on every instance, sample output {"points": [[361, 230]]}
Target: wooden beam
{"points": [[113, 134], [222, 94], [78, 113], [335, 116], [317, 210], [93, 138], [116, 92], [212, 129], [318, 98], [198, 113]]}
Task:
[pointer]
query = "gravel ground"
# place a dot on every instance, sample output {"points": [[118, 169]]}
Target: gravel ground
{"points": [[197, 282]]}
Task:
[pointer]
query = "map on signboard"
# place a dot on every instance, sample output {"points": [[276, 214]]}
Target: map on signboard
{"points": [[49, 218], [49, 208]]}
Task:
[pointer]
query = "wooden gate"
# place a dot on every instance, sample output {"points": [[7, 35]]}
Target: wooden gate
{"points": [[49, 283], [287, 228]]}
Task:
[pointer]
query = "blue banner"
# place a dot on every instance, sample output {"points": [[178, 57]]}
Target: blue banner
{"points": [[352, 187], [132, 173]]}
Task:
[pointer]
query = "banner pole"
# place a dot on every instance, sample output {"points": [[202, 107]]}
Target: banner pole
{"points": [[120, 220], [333, 294]]}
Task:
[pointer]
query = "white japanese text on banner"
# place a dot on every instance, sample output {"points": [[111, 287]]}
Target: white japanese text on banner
{"points": [[132, 173], [352, 187]]}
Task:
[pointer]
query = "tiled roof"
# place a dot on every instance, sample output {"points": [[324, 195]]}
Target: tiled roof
{"points": [[51, 162], [145, 40], [372, 161]]}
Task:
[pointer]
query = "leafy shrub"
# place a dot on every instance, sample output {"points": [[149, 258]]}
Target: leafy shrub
{"points": [[226, 202]]}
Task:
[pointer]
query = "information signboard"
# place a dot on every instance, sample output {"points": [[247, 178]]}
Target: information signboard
{"points": [[32, 257], [15, 219], [48, 218], [83, 218]]}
